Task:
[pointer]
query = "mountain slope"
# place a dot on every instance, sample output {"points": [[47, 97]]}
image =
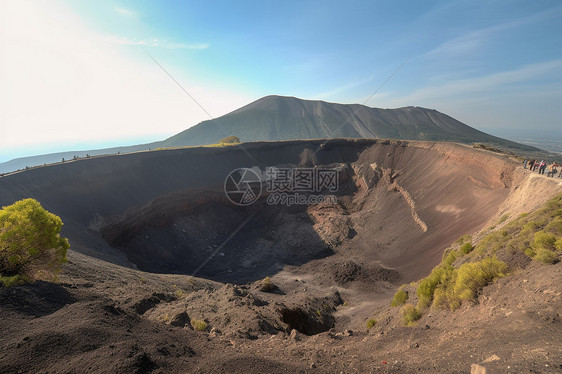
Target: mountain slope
{"points": [[288, 118], [51, 158], [284, 118]]}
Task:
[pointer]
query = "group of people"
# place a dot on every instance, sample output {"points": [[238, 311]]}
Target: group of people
{"points": [[541, 166]]}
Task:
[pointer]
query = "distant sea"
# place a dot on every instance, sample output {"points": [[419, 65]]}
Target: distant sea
{"points": [[548, 144]]}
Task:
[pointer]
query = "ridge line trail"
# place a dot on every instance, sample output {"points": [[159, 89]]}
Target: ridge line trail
{"points": [[387, 175]]}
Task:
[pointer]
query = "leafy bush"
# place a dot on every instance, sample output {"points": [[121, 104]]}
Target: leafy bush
{"points": [[427, 286], [444, 297], [466, 248], [492, 242], [471, 277], [230, 140], [503, 219], [555, 226], [450, 258], [410, 314], [370, 323], [267, 285], [545, 256], [178, 292], [446, 286], [400, 298], [538, 235], [16, 280], [30, 243], [198, 325], [464, 238], [544, 240], [529, 252]]}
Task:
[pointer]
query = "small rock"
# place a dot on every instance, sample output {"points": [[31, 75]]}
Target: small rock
{"points": [[414, 345], [348, 332], [295, 335], [313, 365], [492, 358], [214, 333], [181, 320], [477, 369]]}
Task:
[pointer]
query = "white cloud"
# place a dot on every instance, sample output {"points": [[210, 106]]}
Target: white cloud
{"points": [[124, 11], [335, 92], [155, 42], [462, 88], [471, 42], [525, 98], [61, 83]]}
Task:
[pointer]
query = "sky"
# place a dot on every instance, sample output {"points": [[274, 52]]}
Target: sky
{"points": [[90, 74]]}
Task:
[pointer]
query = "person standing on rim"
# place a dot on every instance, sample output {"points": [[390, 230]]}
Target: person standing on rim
{"points": [[542, 167]]}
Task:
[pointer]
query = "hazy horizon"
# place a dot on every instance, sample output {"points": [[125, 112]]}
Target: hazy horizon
{"points": [[549, 142]]}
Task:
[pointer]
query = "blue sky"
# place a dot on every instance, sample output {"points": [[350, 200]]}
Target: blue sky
{"points": [[79, 73]]}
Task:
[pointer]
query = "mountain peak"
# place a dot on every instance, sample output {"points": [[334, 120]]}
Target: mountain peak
{"points": [[276, 117]]}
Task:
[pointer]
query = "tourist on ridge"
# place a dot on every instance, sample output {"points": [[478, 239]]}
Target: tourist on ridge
{"points": [[551, 170], [542, 167], [536, 165]]}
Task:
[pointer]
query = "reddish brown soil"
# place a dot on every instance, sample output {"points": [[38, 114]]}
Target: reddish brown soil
{"points": [[400, 204]]}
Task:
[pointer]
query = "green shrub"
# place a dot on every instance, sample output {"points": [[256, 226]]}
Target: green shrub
{"points": [[555, 226], [370, 323], [503, 219], [178, 292], [545, 256], [443, 295], [198, 325], [267, 285], [446, 286], [492, 242], [464, 238], [544, 240], [16, 280], [471, 277], [426, 288], [445, 298], [30, 242], [230, 140], [529, 252], [450, 258], [399, 298], [466, 248], [410, 314]]}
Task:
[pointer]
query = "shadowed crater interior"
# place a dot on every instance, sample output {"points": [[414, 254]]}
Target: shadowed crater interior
{"points": [[205, 234]]}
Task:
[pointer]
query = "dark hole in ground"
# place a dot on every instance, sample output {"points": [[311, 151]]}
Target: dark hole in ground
{"points": [[306, 322]]}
